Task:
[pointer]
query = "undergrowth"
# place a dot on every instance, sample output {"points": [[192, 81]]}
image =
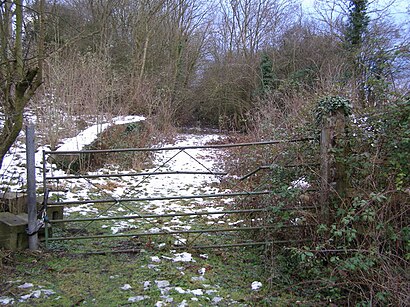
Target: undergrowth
{"points": [[358, 255]]}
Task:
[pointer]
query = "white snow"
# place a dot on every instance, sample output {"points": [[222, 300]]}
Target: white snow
{"points": [[126, 287], [256, 285], [89, 135], [13, 171], [25, 285], [48, 292], [300, 183], [135, 299], [193, 160], [155, 259], [197, 292], [147, 285], [34, 294], [179, 290], [198, 278], [183, 257], [4, 300], [162, 283]]}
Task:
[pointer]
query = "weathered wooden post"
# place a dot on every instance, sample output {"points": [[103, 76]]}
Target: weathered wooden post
{"points": [[332, 113], [339, 146], [31, 189], [325, 180]]}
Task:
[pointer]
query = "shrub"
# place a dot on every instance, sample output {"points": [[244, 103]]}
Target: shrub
{"points": [[362, 255]]}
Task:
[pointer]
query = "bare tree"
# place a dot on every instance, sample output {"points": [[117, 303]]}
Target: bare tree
{"points": [[20, 76], [249, 25]]}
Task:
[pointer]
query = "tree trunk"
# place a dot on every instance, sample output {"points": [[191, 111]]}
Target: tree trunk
{"points": [[18, 87]]}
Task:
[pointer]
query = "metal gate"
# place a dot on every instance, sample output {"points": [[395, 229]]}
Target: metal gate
{"points": [[127, 217]]}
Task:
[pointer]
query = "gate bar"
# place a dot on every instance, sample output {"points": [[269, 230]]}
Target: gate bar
{"points": [[136, 175], [120, 200], [245, 244], [68, 152], [147, 234], [145, 216], [242, 244]]}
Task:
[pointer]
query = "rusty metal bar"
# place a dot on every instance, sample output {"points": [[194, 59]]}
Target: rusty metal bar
{"points": [[241, 244], [112, 251], [147, 234], [146, 216], [270, 167], [136, 175], [302, 165], [245, 244], [250, 173], [176, 232], [121, 200], [180, 147]]}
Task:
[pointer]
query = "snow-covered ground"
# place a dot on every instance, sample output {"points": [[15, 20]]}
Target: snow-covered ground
{"points": [[188, 160], [156, 186], [13, 178], [13, 171], [191, 160]]}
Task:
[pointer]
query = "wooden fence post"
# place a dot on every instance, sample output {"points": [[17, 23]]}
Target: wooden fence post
{"points": [[31, 189], [332, 171], [325, 141]]}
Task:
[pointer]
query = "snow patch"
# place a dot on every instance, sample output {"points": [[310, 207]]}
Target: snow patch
{"points": [[135, 299], [4, 300], [162, 283], [147, 285], [256, 285], [197, 292], [155, 259], [25, 285], [300, 183], [90, 134], [126, 287], [183, 304], [183, 257], [180, 290]]}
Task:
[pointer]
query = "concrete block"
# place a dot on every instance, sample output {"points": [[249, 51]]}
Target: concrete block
{"points": [[13, 234], [13, 202], [55, 213]]}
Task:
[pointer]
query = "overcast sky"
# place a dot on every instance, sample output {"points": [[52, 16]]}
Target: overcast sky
{"points": [[399, 9]]}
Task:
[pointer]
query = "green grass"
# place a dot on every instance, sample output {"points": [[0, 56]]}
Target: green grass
{"points": [[97, 279]]}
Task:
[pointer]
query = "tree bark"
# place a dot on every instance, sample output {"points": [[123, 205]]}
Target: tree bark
{"points": [[18, 86]]}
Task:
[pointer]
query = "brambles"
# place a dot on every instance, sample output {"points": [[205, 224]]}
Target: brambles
{"points": [[360, 255]]}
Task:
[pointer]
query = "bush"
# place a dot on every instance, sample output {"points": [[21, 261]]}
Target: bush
{"points": [[365, 249], [361, 257]]}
